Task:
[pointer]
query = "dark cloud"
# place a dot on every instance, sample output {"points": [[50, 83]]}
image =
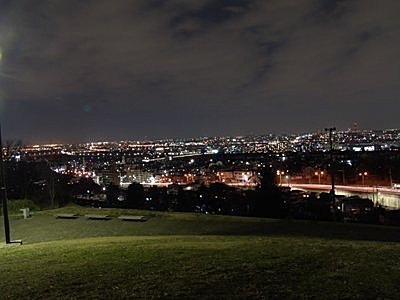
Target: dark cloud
{"points": [[210, 14], [76, 70], [330, 10]]}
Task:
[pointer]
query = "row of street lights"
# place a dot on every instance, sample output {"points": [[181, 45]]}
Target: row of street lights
{"points": [[361, 174], [282, 173], [319, 174]]}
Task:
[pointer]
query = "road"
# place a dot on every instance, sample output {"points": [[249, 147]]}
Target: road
{"points": [[385, 196]]}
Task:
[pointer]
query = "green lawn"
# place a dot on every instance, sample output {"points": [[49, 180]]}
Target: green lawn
{"points": [[188, 255]]}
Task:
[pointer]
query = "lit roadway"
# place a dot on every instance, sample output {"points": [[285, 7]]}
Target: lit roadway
{"points": [[385, 196], [350, 188]]}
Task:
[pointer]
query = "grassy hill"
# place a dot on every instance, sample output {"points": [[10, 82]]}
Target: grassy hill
{"points": [[188, 255]]}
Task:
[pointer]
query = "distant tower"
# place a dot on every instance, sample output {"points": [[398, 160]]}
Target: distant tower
{"points": [[355, 126], [83, 164]]}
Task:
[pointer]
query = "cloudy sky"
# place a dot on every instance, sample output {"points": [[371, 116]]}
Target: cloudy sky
{"points": [[76, 70]]}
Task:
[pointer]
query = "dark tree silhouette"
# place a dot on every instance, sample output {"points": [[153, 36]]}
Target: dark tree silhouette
{"points": [[135, 196], [112, 193], [268, 200]]}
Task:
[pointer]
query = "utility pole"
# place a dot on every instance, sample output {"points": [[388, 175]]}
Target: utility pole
{"points": [[4, 194], [332, 169]]}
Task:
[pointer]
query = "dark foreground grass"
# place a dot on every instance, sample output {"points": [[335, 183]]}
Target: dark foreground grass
{"points": [[191, 256], [201, 266]]}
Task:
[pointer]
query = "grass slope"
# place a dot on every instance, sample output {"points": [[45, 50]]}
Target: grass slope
{"points": [[191, 256]]}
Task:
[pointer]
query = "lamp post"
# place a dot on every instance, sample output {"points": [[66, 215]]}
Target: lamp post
{"points": [[4, 194], [363, 174], [280, 173], [3, 190], [319, 174], [343, 176], [287, 177], [332, 170]]}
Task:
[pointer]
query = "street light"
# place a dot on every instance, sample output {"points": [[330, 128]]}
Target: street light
{"points": [[287, 177], [363, 174], [319, 174], [343, 176], [331, 130], [3, 189], [280, 173]]}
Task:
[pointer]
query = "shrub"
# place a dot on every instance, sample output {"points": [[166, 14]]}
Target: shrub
{"points": [[15, 205]]}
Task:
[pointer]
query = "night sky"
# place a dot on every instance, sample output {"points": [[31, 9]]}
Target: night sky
{"points": [[75, 70]]}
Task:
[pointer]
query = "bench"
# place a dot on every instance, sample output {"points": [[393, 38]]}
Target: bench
{"points": [[98, 217], [67, 216], [133, 218], [14, 242]]}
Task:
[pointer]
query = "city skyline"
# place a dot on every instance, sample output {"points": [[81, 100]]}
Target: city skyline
{"points": [[344, 140], [100, 70]]}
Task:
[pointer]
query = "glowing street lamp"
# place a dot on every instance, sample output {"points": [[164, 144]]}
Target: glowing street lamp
{"points": [[331, 130], [362, 175], [280, 173], [287, 177], [319, 174]]}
